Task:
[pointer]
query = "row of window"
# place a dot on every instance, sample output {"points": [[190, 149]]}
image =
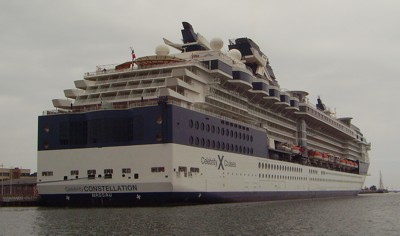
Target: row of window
{"points": [[222, 131], [282, 177], [300, 178], [219, 145], [269, 166]]}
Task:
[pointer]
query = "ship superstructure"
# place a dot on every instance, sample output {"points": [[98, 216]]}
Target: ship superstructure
{"points": [[197, 126]]}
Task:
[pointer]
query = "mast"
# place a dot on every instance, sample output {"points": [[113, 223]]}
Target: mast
{"points": [[381, 181]]}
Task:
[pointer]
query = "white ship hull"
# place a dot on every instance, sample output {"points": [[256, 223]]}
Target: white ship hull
{"points": [[221, 176]]}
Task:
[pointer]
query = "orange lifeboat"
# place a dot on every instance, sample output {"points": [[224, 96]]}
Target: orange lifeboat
{"points": [[325, 157], [296, 150], [316, 155]]}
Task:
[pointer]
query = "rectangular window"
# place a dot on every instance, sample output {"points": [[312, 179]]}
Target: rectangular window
{"points": [[194, 169], [136, 176], [74, 172], [126, 170], [91, 172], [108, 171], [47, 173], [157, 169]]}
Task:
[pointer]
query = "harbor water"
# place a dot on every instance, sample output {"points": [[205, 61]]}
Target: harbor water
{"points": [[369, 214]]}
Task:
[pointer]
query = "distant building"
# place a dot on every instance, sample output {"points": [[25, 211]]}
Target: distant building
{"points": [[14, 173], [17, 182]]}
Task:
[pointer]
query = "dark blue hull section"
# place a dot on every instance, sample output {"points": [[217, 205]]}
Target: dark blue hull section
{"points": [[183, 198]]}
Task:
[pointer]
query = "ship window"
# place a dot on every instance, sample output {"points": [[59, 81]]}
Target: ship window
{"points": [[191, 123], [251, 138], [208, 128], [232, 147], [247, 137], [74, 172], [213, 144], [136, 176], [191, 140], [202, 126], [157, 169], [65, 177], [231, 133], [218, 130], [227, 132], [222, 145], [203, 142], [213, 129], [208, 143], [47, 173], [194, 170], [218, 144], [236, 148], [126, 170], [91, 172], [222, 131], [196, 125], [108, 171], [197, 141]]}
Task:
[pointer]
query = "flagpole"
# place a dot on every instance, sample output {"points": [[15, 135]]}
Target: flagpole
{"points": [[133, 56]]}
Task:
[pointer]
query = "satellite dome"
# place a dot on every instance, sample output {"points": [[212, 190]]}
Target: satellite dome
{"points": [[216, 44], [235, 54], [162, 50]]}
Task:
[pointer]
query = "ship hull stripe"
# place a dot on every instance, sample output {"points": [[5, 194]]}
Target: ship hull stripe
{"points": [[182, 198]]}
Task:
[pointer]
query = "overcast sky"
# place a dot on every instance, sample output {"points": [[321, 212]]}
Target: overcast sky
{"points": [[342, 50]]}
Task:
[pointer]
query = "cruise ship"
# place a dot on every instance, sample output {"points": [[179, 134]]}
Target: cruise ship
{"points": [[201, 125]]}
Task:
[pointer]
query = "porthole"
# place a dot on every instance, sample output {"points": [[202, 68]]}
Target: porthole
{"points": [[208, 128], [262, 165], [213, 129], [259, 165], [203, 142], [218, 130], [236, 134], [159, 120], [222, 145], [218, 144], [227, 132], [190, 123], [232, 147], [208, 143], [231, 133], [236, 148], [196, 125], [202, 126], [191, 140], [213, 144], [197, 141], [240, 149], [247, 137], [222, 131]]}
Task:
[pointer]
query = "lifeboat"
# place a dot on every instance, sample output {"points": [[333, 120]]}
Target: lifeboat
{"points": [[325, 157], [316, 155], [296, 150]]}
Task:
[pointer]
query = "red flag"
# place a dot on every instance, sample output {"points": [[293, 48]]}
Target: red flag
{"points": [[133, 55]]}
